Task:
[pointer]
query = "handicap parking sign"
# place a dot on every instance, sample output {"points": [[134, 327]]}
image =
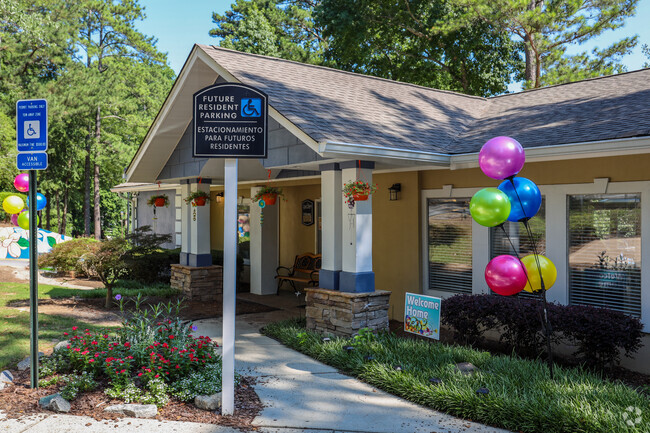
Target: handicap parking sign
{"points": [[251, 107], [32, 129]]}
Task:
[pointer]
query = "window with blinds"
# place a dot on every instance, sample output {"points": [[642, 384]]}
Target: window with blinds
{"points": [[450, 245], [605, 251], [522, 243]]}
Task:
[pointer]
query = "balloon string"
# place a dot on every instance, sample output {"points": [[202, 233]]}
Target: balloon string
{"points": [[516, 254]]}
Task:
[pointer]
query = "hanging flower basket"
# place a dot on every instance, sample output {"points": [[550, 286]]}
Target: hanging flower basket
{"points": [[269, 194], [198, 198], [270, 199], [158, 200], [358, 190]]}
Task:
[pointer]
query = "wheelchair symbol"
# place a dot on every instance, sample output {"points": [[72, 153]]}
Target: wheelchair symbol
{"points": [[251, 107], [32, 129]]}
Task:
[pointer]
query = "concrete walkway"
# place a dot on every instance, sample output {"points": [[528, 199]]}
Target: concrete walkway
{"points": [[299, 395]]}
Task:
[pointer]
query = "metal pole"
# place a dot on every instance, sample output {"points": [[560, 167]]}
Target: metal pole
{"points": [[33, 280], [229, 274]]}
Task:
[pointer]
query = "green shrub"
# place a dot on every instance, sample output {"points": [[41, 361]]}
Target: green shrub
{"points": [[71, 256], [142, 360]]}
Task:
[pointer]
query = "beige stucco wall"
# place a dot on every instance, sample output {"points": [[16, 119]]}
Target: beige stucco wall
{"points": [[296, 238], [395, 238]]}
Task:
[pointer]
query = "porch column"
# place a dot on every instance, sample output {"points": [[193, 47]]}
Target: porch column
{"points": [[357, 275], [331, 206], [263, 247], [195, 224]]}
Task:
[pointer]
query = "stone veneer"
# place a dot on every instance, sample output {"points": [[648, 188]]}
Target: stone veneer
{"points": [[198, 283], [344, 313]]}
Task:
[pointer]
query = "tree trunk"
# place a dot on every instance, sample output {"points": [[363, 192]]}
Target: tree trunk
{"points": [[58, 212], [87, 190], [48, 214], [64, 217], [109, 296], [98, 225], [97, 210]]}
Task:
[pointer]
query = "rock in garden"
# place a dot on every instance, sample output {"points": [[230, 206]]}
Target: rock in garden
{"points": [[466, 368], [61, 345], [54, 403], [24, 364], [208, 402], [134, 410], [6, 377]]}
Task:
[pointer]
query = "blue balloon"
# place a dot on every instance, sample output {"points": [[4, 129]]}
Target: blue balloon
{"points": [[41, 201], [525, 198]]}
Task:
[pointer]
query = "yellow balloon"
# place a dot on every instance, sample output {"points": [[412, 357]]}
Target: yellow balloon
{"points": [[549, 273], [13, 204]]}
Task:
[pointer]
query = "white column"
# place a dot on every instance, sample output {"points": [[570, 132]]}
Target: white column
{"points": [[229, 289], [556, 242], [186, 220], [263, 247], [357, 275], [200, 228], [332, 217]]}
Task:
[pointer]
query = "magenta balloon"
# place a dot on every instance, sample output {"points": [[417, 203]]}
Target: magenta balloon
{"points": [[501, 157], [21, 182], [505, 275], [14, 219]]}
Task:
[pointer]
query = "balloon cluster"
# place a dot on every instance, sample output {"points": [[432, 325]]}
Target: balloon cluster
{"points": [[17, 208], [516, 199]]}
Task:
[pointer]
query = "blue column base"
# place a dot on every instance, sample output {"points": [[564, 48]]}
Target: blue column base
{"points": [[196, 260], [361, 282], [328, 279]]}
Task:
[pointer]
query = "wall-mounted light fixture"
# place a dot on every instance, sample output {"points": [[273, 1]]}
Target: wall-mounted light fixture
{"points": [[219, 197], [394, 191]]}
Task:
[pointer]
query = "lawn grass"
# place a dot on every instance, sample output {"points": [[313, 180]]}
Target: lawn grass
{"points": [[522, 396], [14, 324], [131, 288]]}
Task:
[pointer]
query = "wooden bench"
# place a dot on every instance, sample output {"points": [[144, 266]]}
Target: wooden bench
{"points": [[304, 270]]}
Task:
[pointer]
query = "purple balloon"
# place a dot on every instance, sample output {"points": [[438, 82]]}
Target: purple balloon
{"points": [[501, 157], [14, 219], [506, 275]]}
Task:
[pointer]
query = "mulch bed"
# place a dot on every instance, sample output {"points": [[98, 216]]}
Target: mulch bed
{"points": [[630, 378], [19, 400]]}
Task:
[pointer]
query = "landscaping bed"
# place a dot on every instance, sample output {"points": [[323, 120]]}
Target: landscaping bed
{"points": [[504, 391]]}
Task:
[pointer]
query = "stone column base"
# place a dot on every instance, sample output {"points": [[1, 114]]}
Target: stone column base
{"points": [[344, 313], [198, 284]]}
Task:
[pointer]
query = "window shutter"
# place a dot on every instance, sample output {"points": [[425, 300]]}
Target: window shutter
{"points": [[450, 245], [605, 251]]}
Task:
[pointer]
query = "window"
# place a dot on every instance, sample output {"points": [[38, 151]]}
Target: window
{"points": [[499, 243], [450, 245], [605, 251]]}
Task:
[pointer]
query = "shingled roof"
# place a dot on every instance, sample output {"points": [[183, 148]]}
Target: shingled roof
{"points": [[338, 106]]}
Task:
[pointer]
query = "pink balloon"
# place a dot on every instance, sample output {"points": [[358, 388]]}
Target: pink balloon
{"points": [[21, 182], [505, 275], [14, 219], [501, 157]]}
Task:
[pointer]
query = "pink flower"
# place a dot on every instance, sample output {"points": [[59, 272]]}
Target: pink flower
{"points": [[91, 360], [74, 328]]}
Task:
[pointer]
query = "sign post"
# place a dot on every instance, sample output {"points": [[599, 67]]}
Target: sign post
{"points": [[31, 141], [230, 121]]}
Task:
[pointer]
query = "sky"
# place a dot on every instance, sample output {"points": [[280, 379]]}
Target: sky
{"points": [[178, 25]]}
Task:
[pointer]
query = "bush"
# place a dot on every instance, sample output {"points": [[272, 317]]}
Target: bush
{"points": [[599, 334], [151, 354], [71, 256]]}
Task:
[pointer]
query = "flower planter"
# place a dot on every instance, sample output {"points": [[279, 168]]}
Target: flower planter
{"points": [[160, 202], [360, 197], [269, 199], [199, 201]]}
